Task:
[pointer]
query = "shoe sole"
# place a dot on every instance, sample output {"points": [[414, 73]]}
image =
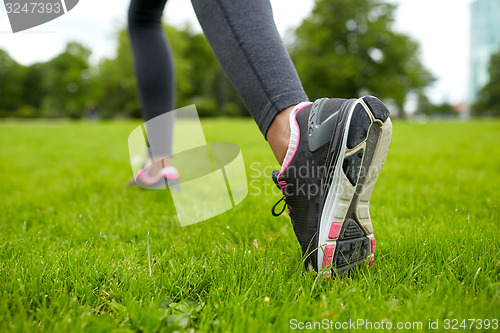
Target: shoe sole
{"points": [[345, 239]]}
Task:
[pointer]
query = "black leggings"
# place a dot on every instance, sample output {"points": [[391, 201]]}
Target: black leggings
{"points": [[244, 39]]}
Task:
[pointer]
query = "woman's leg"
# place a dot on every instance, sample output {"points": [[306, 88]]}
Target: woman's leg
{"points": [[246, 42], [325, 147], [154, 71]]}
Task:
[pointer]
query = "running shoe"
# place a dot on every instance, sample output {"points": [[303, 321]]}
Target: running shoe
{"points": [[167, 177], [336, 152]]}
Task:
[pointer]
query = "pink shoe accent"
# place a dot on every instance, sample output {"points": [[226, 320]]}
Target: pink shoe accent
{"points": [[328, 258], [328, 277], [299, 107], [372, 244], [142, 175], [335, 230], [170, 173], [370, 262]]}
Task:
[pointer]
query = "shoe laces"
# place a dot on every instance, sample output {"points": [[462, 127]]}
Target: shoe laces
{"points": [[281, 185], [273, 210]]}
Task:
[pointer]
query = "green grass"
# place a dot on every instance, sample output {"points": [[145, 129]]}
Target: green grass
{"points": [[73, 239]]}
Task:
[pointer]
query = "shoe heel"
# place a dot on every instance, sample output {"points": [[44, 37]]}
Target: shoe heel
{"points": [[377, 108], [351, 249]]}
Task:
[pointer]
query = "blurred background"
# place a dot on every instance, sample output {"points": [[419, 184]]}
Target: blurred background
{"points": [[423, 58]]}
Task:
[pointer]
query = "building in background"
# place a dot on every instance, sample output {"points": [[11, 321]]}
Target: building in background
{"points": [[484, 41]]}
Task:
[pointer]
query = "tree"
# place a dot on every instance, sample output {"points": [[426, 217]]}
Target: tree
{"points": [[347, 48], [426, 107], [210, 88], [68, 86], [115, 91], [11, 84], [198, 77], [34, 92], [117, 87], [488, 101], [67, 82]]}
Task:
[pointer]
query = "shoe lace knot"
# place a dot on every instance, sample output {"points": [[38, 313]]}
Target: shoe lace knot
{"points": [[281, 185], [273, 210]]}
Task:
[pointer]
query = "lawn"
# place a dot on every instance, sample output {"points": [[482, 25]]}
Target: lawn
{"points": [[74, 240]]}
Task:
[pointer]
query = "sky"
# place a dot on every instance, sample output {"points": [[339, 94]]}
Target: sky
{"points": [[440, 26]]}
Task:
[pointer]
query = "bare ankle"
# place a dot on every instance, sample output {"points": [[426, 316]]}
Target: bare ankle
{"points": [[278, 134], [155, 165]]}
